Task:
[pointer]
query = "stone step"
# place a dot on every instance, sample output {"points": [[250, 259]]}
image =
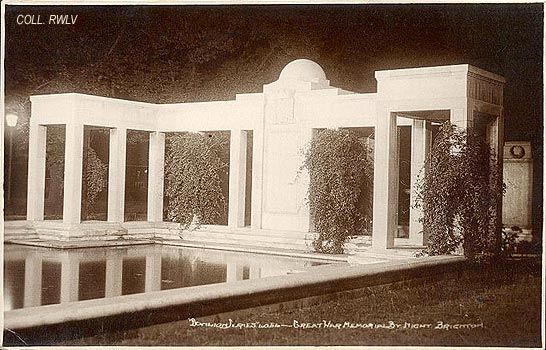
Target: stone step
{"points": [[267, 245], [272, 244], [248, 239], [261, 232], [242, 236], [19, 229]]}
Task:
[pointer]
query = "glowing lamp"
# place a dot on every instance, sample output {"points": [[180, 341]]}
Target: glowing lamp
{"points": [[11, 119]]}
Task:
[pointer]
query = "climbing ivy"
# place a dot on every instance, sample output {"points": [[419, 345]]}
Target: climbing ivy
{"points": [[96, 177], [459, 194], [192, 185], [340, 188]]}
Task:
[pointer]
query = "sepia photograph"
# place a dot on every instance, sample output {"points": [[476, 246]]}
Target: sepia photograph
{"points": [[213, 174]]}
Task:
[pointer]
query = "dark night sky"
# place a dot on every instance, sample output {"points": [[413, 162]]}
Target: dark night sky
{"points": [[192, 53]]}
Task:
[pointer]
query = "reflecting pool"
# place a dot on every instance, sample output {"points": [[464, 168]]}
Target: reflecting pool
{"points": [[41, 276]]}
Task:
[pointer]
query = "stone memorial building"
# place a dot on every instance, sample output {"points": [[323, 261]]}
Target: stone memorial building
{"points": [[281, 120]]}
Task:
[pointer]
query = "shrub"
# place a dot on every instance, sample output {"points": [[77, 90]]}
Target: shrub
{"points": [[509, 240], [459, 194], [340, 188], [192, 183]]}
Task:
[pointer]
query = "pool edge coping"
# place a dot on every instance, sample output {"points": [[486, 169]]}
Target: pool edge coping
{"points": [[96, 309]]}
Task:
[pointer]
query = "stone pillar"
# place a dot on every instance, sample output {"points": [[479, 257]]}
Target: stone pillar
{"points": [[36, 171], [156, 176], [461, 117], [116, 175], [385, 195], [255, 272], [496, 138], [237, 178], [304, 181], [70, 279], [257, 178], [73, 164], [153, 273], [421, 138], [234, 272], [33, 281], [114, 273], [498, 143]]}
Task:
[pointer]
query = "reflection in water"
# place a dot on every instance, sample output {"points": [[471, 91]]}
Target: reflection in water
{"points": [[41, 276], [51, 282], [92, 279], [14, 278], [134, 270]]}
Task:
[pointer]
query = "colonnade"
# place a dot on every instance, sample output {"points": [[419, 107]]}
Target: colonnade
{"points": [[421, 141], [116, 175]]}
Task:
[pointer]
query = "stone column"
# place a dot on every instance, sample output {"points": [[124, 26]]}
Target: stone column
{"points": [[33, 281], [385, 195], [234, 272], [70, 279], [114, 274], [156, 175], [255, 272], [257, 178], [497, 135], [116, 175], [36, 171], [498, 143], [461, 117], [304, 181], [421, 138], [73, 164], [237, 178], [153, 273]]}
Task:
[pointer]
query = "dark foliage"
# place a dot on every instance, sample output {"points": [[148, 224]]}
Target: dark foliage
{"points": [[340, 189], [192, 185], [459, 193]]}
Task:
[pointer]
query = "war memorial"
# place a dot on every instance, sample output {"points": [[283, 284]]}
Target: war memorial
{"points": [[128, 267], [281, 120]]}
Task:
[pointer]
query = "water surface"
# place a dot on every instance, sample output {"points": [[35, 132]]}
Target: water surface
{"points": [[41, 276]]}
